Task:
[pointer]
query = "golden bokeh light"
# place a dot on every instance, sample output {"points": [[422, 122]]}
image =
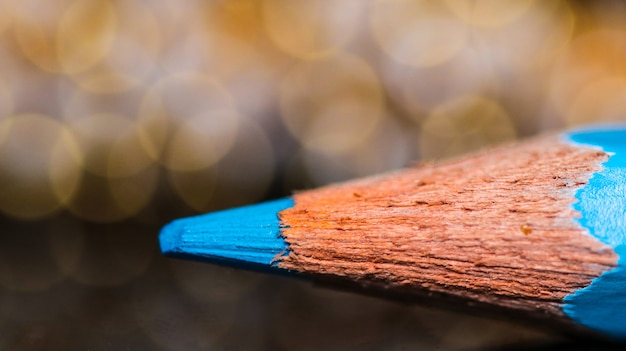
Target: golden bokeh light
{"points": [[543, 32], [40, 164], [195, 188], [417, 33], [599, 101], [102, 199], [173, 17], [305, 29], [188, 49], [85, 34], [132, 57], [229, 182], [464, 124], [68, 37], [539, 34], [188, 122], [118, 116], [111, 144], [331, 104], [252, 154], [133, 194], [5, 15], [238, 19], [484, 67], [65, 167], [34, 27], [230, 37], [77, 104], [105, 80], [389, 147], [489, 13], [202, 141], [7, 100], [592, 56], [419, 89]]}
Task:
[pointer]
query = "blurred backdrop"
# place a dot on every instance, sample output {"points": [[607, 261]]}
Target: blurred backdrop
{"points": [[118, 116]]}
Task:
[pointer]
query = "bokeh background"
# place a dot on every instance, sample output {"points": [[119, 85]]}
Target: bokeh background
{"points": [[118, 116]]}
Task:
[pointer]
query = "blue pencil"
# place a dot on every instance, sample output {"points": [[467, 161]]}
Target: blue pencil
{"points": [[536, 228]]}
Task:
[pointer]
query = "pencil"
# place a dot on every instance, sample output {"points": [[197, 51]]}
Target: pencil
{"points": [[532, 229]]}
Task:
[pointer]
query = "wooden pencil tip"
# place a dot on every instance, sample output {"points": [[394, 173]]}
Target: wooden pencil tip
{"points": [[245, 236]]}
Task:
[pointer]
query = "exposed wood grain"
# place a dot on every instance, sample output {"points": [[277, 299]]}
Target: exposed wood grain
{"points": [[495, 227]]}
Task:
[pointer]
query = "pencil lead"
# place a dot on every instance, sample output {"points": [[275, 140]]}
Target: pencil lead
{"points": [[246, 236]]}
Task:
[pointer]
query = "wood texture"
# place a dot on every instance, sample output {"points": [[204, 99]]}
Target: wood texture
{"points": [[494, 228]]}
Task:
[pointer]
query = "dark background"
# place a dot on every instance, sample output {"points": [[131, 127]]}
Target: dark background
{"points": [[119, 116]]}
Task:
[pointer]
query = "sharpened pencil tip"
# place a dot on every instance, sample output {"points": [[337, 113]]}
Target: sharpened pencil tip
{"points": [[169, 238], [240, 236]]}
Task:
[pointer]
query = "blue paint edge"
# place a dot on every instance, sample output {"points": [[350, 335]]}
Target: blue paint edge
{"points": [[245, 237], [601, 306]]}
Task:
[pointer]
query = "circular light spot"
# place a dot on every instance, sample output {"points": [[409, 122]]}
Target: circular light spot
{"points": [[132, 194], [602, 100], [133, 52], [188, 122], [111, 144], [553, 24], [242, 176], [173, 17], [464, 124], [591, 57], [420, 89], [79, 104], [40, 165], [389, 147], [488, 13], [105, 80], [229, 33], [238, 19], [417, 33], [65, 169], [200, 142], [192, 50], [538, 35], [305, 28], [6, 103], [85, 34], [6, 15], [102, 199], [229, 42], [35, 25], [331, 104], [196, 188]]}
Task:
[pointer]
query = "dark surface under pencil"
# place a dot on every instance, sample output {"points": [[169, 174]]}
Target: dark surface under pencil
{"points": [[118, 117]]}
